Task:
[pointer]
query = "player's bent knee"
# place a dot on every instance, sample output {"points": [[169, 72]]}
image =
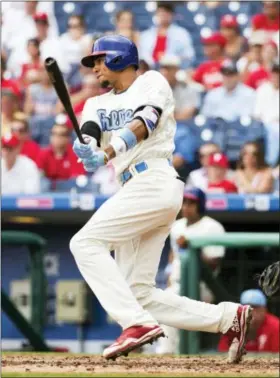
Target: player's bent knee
{"points": [[142, 293], [74, 244]]}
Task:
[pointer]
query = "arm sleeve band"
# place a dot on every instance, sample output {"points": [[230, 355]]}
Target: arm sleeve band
{"points": [[149, 115], [92, 129]]}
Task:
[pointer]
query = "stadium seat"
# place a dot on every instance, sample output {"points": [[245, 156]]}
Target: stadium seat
{"points": [[208, 130], [239, 132]]}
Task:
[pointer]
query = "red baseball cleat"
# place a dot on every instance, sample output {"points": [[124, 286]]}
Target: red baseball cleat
{"points": [[132, 338], [238, 334]]}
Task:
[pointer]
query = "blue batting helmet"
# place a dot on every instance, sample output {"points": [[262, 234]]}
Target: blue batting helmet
{"points": [[120, 53], [196, 194]]}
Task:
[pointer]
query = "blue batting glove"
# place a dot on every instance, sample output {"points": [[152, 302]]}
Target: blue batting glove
{"points": [[98, 159], [83, 151]]}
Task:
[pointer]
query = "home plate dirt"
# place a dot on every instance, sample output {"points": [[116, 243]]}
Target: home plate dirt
{"points": [[205, 365]]}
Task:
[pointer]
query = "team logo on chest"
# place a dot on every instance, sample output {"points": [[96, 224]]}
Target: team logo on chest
{"points": [[115, 120]]}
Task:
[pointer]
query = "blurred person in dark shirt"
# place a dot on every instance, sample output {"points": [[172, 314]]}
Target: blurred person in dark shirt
{"points": [[187, 98], [9, 106], [269, 20], [30, 72], [236, 44], [20, 128], [253, 175], [264, 328], [125, 25], [58, 161], [217, 171], [208, 73]]}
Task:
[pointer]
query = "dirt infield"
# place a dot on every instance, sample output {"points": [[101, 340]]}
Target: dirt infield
{"points": [[25, 364]]}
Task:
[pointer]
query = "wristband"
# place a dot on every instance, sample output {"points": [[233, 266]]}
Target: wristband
{"points": [[129, 137], [118, 145]]}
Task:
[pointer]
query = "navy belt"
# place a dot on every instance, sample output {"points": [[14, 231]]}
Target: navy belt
{"points": [[139, 167]]}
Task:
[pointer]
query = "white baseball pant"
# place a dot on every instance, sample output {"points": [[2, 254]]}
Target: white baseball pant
{"points": [[135, 222]]}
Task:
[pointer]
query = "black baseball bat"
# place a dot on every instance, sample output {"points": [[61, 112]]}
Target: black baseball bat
{"points": [[58, 83]]}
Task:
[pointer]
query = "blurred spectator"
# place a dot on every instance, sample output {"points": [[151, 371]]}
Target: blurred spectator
{"points": [[9, 105], [50, 46], [41, 98], [7, 83], [217, 172], [208, 73], [267, 111], [90, 88], [252, 60], [143, 67], [187, 98], [125, 26], [269, 20], [193, 223], [58, 161], [198, 178], [166, 38], [20, 174], [20, 128], [269, 55], [30, 71], [236, 44], [263, 333], [75, 42], [253, 175], [231, 100]]}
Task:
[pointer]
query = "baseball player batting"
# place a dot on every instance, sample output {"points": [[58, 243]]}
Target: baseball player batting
{"points": [[133, 126]]}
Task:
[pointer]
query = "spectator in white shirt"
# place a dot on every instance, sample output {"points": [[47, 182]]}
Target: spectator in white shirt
{"points": [[49, 46], [166, 38], [75, 42], [194, 223], [20, 174], [21, 14], [267, 111], [198, 178], [187, 98], [232, 100]]}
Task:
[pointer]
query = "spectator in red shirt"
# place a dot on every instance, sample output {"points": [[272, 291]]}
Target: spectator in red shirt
{"points": [[30, 71], [58, 161], [269, 19], [20, 128], [269, 55], [236, 44], [264, 328], [208, 73], [217, 172], [9, 84]]}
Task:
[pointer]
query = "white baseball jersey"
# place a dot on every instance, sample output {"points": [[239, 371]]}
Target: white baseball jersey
{"points": [[205, 226], [112, 111]]}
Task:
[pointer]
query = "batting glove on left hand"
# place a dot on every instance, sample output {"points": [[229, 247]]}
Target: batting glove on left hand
{"points": [[84, 151], [98, 159]]}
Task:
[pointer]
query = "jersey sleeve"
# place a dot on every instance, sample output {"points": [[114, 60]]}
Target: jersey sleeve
{"points": [[154, 90], [89, 112]]}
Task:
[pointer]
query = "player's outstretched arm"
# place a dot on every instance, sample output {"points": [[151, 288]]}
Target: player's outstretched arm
{"points": [[143, 124]]}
